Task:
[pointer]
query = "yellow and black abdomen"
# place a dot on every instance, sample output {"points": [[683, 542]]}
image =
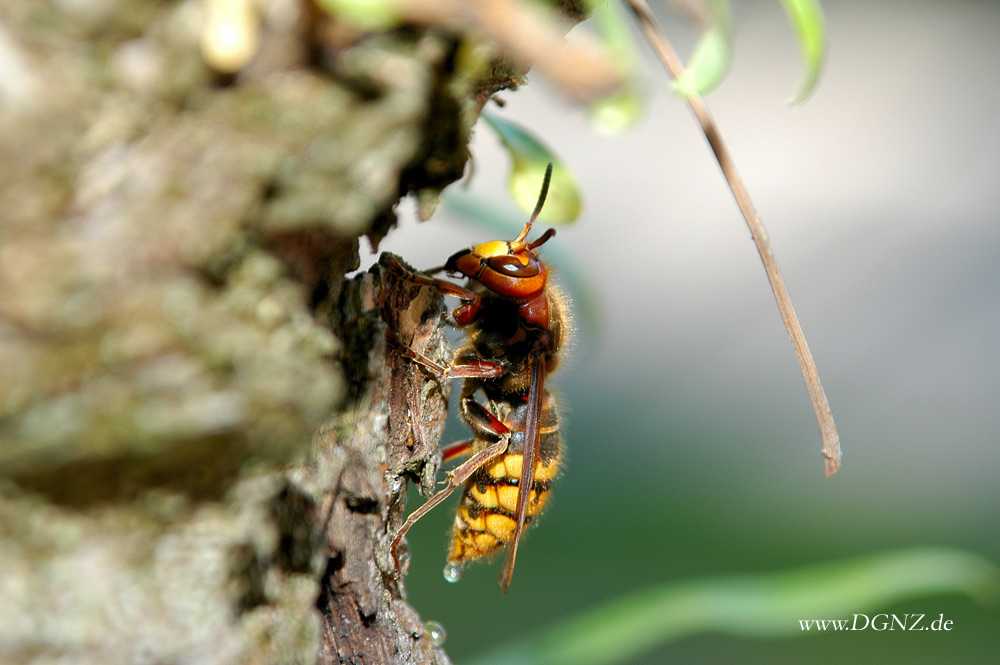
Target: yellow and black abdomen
{"points": [[487, 515]]}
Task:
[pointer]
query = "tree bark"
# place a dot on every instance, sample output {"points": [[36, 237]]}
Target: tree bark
{"points": [[387, 432], [205, 433]]}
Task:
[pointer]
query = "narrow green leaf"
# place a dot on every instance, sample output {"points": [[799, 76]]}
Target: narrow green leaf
{"points": [[530, 158], [710, 58], [806, 17], [764, 605], [622, 109]]}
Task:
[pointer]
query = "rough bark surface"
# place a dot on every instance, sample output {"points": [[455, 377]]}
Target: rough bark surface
{"points": [[367, 460], [205, 434]]}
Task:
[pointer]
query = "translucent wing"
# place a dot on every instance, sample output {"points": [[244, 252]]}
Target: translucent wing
{"points": [[531, 440]]}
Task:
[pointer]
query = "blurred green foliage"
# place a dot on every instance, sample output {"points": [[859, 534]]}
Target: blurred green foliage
{"points": [[754, 606], [530, 158]]}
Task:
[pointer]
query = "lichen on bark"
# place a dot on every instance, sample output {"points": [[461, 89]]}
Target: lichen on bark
{"points": [[205, 434]]}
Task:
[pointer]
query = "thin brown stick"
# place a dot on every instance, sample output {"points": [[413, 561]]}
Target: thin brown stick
{"points": [[828, 430], [528, 32]]}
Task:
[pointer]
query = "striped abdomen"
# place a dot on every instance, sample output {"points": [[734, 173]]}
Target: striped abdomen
{"points": [[487, 515]]}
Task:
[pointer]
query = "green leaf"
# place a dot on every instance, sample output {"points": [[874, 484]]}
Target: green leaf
{"points": [[365, 14], [806, 17], [618, 112], [710, 58], [530, 158], [763, 605], [622, 109]]}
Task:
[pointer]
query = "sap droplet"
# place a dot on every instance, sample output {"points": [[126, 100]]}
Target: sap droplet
{"points": [[435, 632], [453, 572]]}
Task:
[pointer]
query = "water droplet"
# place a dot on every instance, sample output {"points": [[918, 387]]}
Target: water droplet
{"points": [[453, 572], [435, 632]]}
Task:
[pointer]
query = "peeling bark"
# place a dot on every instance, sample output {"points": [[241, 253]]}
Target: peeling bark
{"points": [[387, 433]]}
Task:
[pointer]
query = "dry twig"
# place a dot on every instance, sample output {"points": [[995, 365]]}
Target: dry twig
{"points": [[828, 430]]}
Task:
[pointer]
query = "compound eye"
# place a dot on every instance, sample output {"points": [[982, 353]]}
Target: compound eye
{"points": [[511, 267], [455, 260]]}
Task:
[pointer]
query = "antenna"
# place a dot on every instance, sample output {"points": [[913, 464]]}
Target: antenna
{"points": [[538, 209]]}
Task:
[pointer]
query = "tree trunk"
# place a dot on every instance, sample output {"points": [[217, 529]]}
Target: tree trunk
{"points": [[205, 432]]}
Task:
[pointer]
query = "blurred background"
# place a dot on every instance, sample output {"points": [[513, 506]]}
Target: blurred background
{"points": [[693, 450]]}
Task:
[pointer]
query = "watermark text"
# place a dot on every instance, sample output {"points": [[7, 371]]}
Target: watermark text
{"points": [[879, 622]]}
